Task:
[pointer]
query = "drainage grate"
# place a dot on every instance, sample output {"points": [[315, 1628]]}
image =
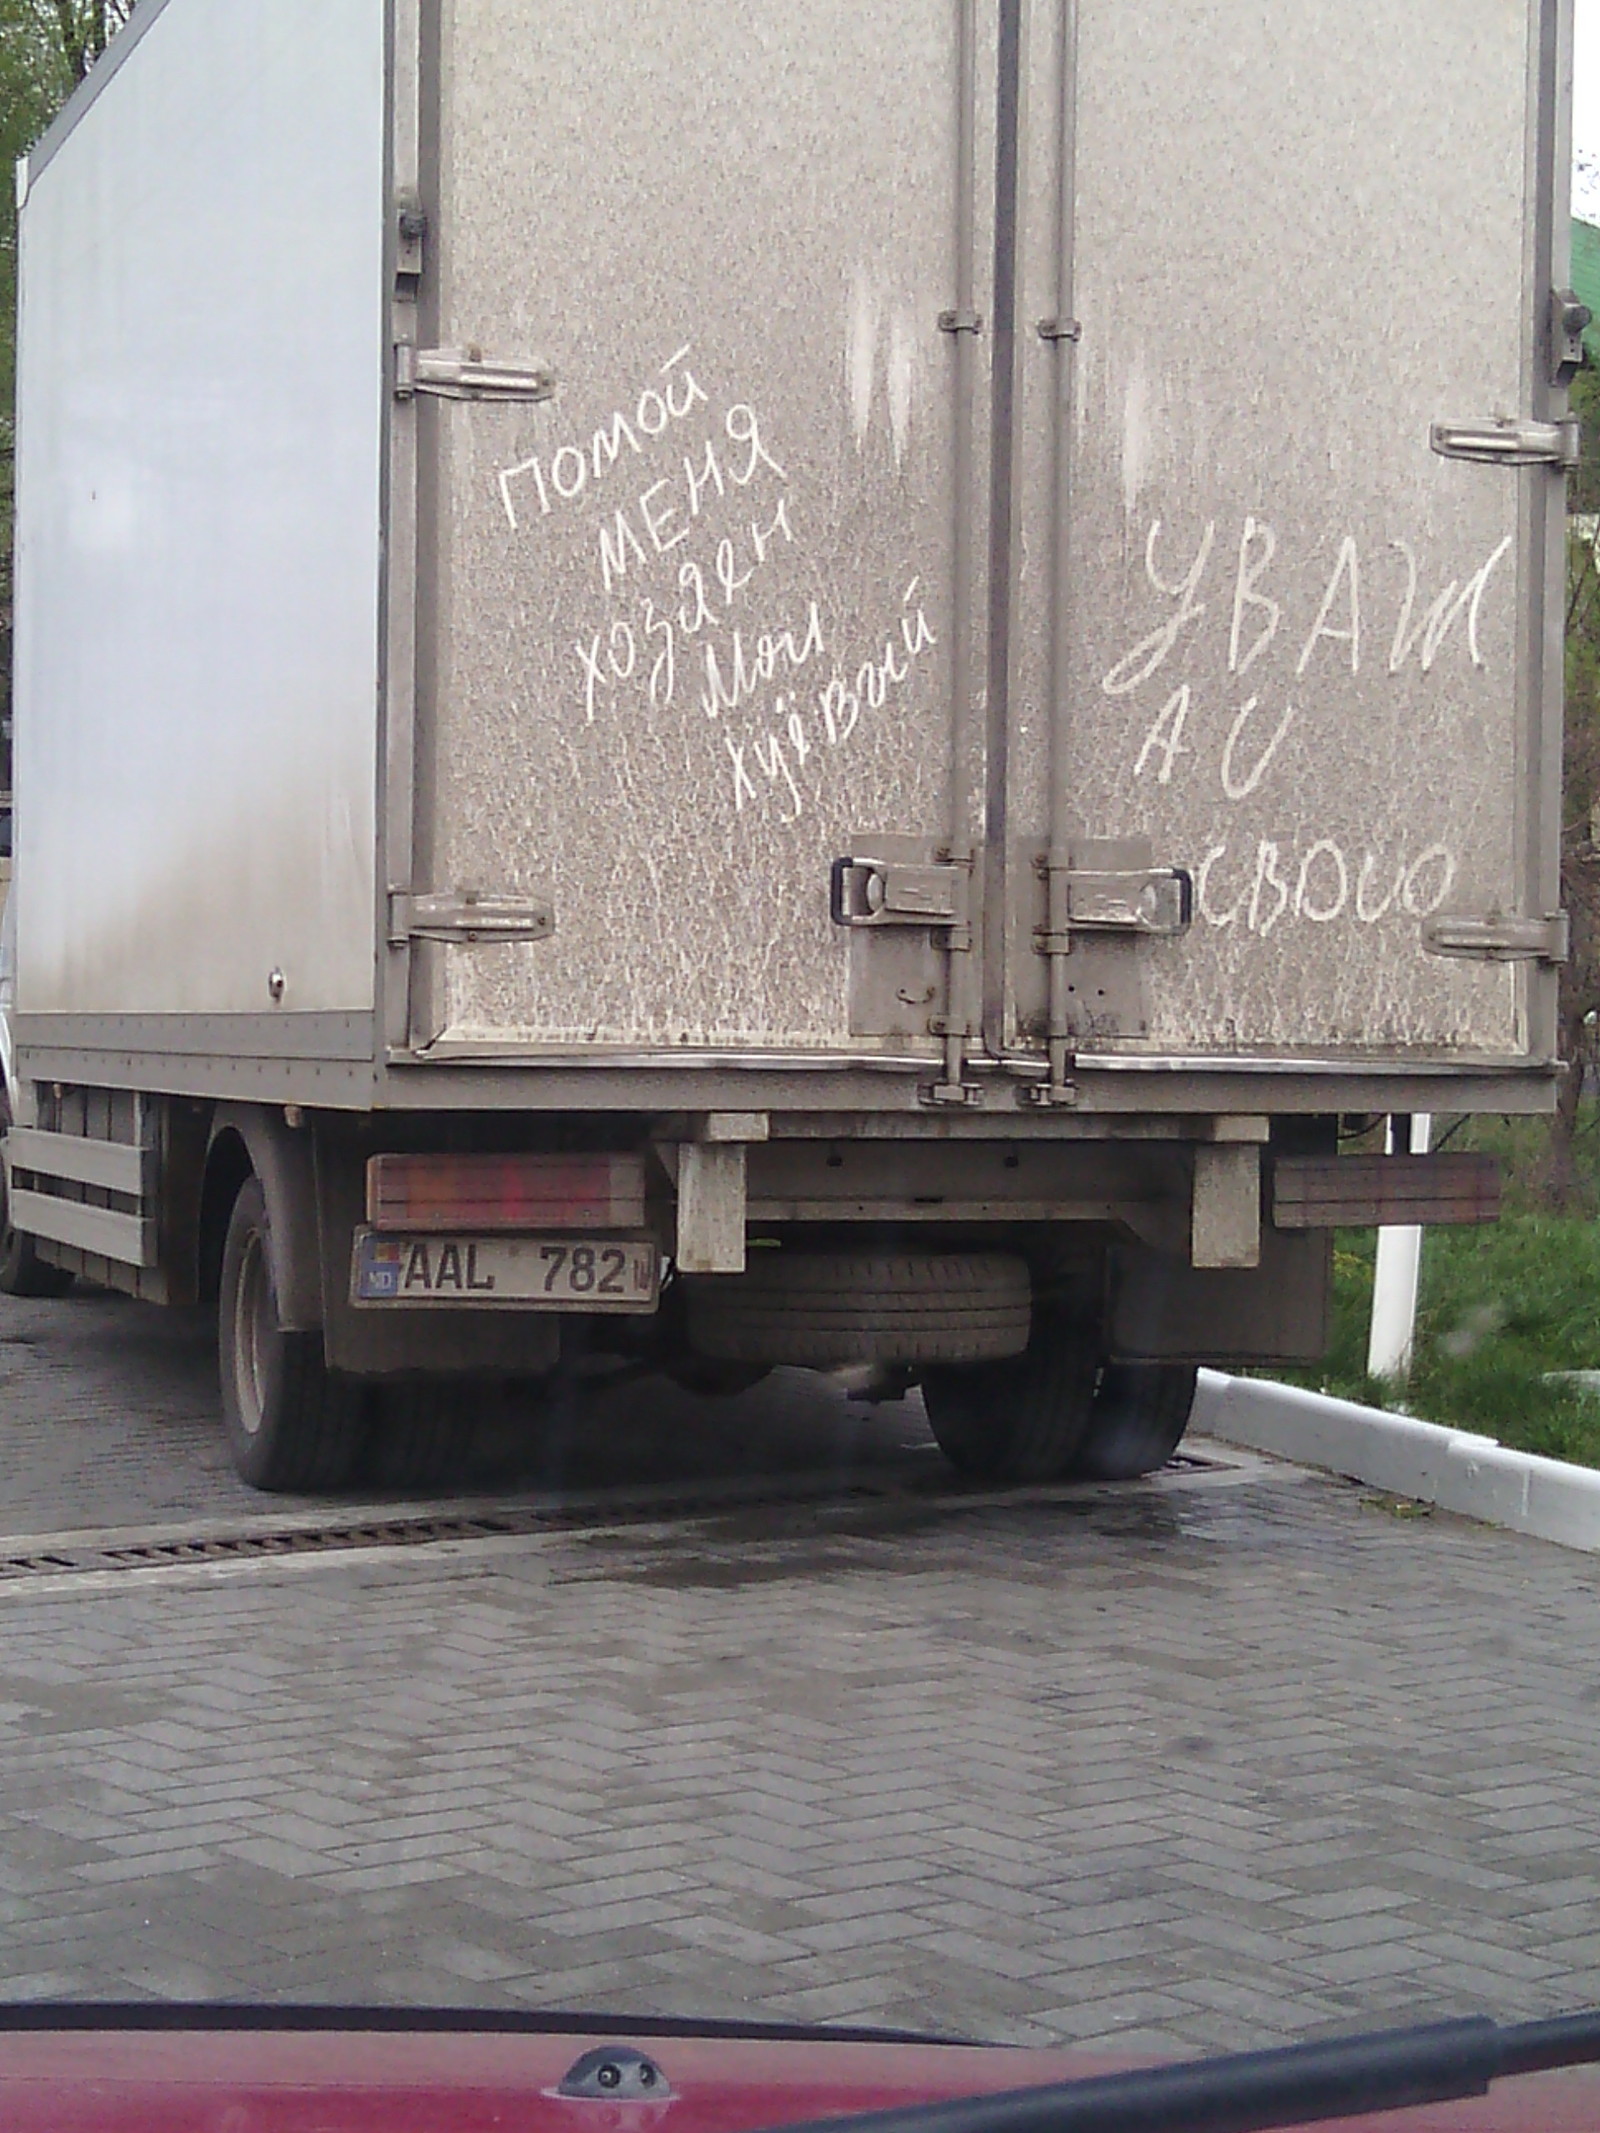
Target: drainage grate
{"points": [[351, 1536], [421, 1532]]}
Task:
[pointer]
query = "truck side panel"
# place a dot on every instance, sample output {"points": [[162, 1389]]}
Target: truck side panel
{"points": [[201, 395]]}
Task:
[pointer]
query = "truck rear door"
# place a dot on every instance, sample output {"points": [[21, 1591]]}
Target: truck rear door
{"points": [[990, 441], [1292, 511], [689, 620]]}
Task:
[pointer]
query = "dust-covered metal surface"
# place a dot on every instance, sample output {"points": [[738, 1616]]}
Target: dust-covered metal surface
{"points": [[966, 440], [692, 623], [694, 617], [1299, 655]]}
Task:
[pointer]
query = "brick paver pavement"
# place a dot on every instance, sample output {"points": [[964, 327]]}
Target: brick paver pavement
{"points": [[1216, 1760]]}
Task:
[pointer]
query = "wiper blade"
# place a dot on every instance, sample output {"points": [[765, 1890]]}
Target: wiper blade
{"points": [[1255, 2092]]}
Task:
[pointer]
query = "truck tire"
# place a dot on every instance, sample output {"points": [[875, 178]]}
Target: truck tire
{"points": [[22, 1271], [1141, 1411], [292, 1424], [1023, 1419], [818, 1310], [422, 1433]]}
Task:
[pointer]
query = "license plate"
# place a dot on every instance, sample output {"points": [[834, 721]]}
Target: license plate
{"points": [[529, 1273]]}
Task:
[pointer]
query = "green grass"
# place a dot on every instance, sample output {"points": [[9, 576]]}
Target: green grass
{"points": [[1499, 1307]]}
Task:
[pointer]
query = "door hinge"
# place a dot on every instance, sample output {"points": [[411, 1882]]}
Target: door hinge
{"points": [[1570, 319], [411, 236], [467, 919], [1505, 442], [465, 374], [880, 892], [1499, 940]]}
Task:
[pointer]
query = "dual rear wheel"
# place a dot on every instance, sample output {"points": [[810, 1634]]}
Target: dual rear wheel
{"points": [[1015, 1386], [1057, 1412]]}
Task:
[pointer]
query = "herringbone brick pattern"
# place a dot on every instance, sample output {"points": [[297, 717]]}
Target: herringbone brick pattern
{"points": [[1189, 1766]]}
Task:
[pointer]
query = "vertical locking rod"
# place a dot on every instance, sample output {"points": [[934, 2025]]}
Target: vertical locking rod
{"points": [[964, 356], [1062, 346]]}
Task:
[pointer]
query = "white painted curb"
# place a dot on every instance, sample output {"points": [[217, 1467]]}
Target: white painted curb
{"points": [[1476, 1476]]}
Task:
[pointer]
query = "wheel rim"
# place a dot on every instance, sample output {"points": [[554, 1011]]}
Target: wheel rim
{"points": [[252, 1309]]}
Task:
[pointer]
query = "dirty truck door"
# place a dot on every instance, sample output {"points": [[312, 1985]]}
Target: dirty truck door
{"points": [[1287, 601], [690, 618]]}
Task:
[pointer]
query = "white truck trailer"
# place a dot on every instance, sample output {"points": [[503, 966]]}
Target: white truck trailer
{"points": [[783, 684]]}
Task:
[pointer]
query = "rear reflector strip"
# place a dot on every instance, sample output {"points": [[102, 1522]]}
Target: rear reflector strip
{"points": [[441, 1194]]}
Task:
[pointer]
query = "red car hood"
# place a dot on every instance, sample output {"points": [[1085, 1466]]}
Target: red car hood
{"points": [[267, 2081]]}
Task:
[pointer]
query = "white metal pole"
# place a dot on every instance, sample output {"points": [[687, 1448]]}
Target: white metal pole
{"points": [[1394, 1286]]}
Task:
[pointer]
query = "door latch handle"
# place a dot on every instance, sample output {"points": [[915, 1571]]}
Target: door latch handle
{"points": [[879, 892]]}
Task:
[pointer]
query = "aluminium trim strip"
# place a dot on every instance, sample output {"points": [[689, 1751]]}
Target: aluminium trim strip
{"points": [[111, 1165], [321, 1084], [896, 1098], [128, 1239], [333, 1035], [597, 1056], [1376, 1069]]}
